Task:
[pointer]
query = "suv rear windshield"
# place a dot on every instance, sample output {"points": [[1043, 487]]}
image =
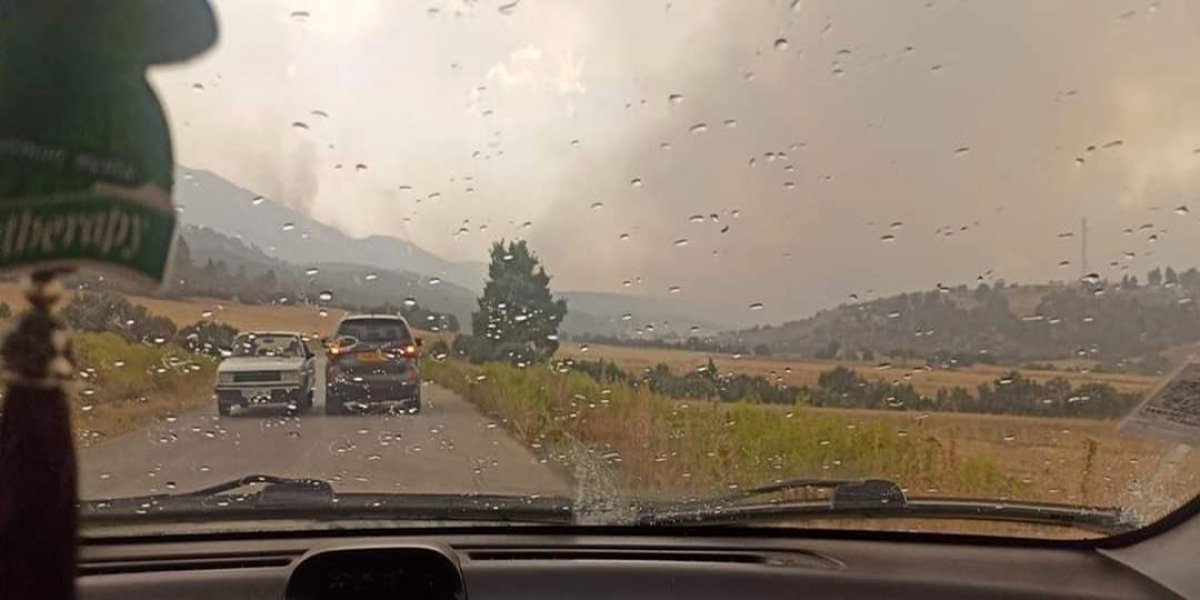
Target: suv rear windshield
{"points": [[376, 330]]}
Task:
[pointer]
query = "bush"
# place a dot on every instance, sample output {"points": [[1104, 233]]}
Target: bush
{"points": [[208, 337], [106, 311], [439, 349]]}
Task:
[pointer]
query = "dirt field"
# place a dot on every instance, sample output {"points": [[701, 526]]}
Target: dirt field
{"points": [[305, 319], [804, 372]]}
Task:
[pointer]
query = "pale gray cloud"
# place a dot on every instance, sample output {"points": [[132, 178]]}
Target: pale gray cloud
{"points": [[985, 129]]}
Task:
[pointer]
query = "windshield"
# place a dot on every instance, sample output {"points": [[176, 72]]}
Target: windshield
{"points": [[375, 330], [655, 255], [267, 345]]}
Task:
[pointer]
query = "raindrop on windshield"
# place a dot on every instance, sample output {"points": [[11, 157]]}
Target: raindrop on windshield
{"points": [[289, 226], [434, 280], [887, 238], [674, 289], [508, 9], [360, 167], [675, 99], [410, 302], [199, 87], [371, 277], [299, 124], [312, 271], [756, 306], [257, 200], [325, 296], [635, 182], [1181, 210], [781, 44], [300, 15], [623, 237], [731, 123], [963, 151], [681, 242], [597, 205], [698, 128]]}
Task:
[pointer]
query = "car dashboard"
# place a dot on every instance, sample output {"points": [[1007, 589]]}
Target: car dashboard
{"points": [[515, 563]]}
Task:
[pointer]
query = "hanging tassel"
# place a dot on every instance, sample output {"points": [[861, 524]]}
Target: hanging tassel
{"points": [[37, 454]]}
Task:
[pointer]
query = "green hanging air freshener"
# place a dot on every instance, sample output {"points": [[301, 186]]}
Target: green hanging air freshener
{"points": [[85, 153], [85, 181]]}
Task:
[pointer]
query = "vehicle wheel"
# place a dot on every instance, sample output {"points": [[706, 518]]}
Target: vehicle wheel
{"points": [[334, 406], [224, 409]]}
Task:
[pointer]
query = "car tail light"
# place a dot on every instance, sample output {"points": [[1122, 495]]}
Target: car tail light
{"points": [[401, 350], [341, 347]]}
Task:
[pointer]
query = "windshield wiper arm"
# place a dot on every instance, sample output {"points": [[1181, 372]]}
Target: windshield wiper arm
{"points": [[876, 498], [284, 497]]}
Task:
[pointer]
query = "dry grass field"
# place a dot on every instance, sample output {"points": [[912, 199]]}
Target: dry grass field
{"points": [[1078, 461], [657, 446], [804, 371]]}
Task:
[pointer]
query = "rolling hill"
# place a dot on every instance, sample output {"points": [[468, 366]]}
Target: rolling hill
{"points": [[1095, 322]]}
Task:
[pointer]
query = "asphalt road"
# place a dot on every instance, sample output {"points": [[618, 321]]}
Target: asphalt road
{"points": [[447, 447]]}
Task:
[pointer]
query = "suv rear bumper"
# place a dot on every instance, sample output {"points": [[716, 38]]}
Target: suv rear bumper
{"points": [[375, 390]]}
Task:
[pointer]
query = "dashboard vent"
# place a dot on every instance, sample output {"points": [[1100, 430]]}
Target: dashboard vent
{"points": [[793, 558], [616, 554], [206, 562]]}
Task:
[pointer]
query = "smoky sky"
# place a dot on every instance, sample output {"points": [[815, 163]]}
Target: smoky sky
{"points": [[785, 153]]}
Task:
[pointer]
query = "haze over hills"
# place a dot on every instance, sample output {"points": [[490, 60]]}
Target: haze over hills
{"points": [[223, 222], [211, 201]]}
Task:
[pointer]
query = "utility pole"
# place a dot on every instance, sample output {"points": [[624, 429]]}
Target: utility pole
{"points": [[1083, 266]]}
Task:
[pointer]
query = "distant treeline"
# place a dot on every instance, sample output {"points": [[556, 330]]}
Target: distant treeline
{"points": [[694, 343], [840, 387]]}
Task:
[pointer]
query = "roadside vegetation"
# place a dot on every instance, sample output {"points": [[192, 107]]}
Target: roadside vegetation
{"points": [[650, 443], [125, 385], [841, 387], [135, 366]]}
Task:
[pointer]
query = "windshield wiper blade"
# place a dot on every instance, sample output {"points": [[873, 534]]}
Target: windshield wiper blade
{"points": [[876, 498], [284, 497]]}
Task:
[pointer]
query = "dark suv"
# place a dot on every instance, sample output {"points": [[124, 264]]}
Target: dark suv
{"points": [[373, 360]]}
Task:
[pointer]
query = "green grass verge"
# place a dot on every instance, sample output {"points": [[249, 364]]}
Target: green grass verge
{"points": [[125, 386]]}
